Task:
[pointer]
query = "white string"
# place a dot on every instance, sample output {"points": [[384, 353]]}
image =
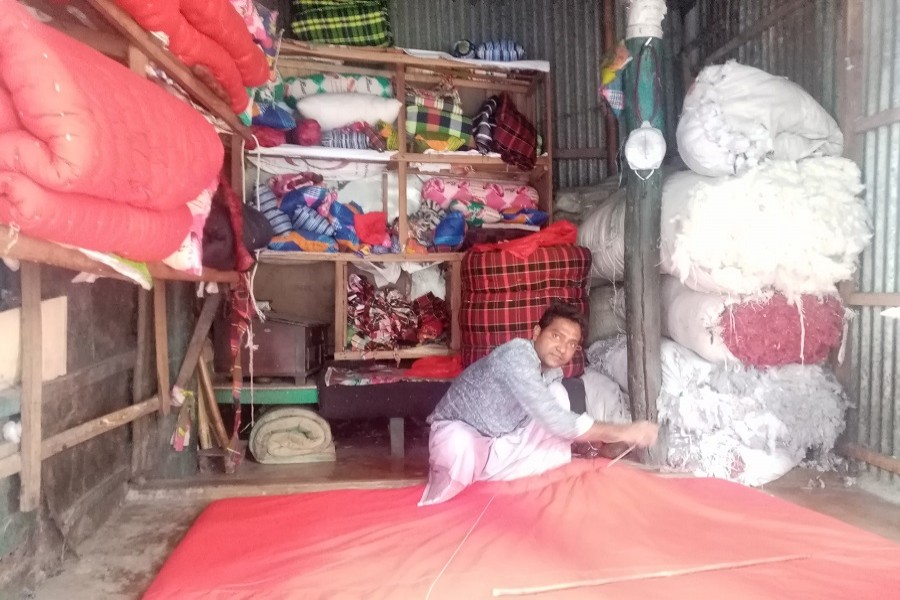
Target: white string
{"points": [[802, 330], [621, 456], [452, 556]]}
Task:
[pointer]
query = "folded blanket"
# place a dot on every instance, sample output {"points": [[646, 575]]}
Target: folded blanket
{"points": [[90, 222], [75, 121], [291, 435], [208, 34]]}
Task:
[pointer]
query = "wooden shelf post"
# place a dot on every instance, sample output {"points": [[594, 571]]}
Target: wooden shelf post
{"points": [[32, 387], [161, 335]]}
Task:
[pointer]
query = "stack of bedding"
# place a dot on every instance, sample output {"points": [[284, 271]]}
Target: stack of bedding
{"points": [[92, 155]]}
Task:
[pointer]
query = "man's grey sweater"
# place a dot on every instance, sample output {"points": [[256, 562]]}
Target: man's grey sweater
{"points": [[500, 392]]}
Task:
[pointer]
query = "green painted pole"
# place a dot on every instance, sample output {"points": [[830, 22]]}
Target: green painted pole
{"points": [[642, 233]]}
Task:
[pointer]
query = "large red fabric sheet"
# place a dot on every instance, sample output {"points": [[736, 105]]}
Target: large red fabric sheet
{"points": [[580, 522]]}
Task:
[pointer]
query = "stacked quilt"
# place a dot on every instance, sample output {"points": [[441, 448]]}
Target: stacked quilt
{"points": [[92, 155]]}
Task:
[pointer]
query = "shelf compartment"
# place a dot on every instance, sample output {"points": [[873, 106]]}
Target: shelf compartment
{"points": [[323, 153], [275, 257]]}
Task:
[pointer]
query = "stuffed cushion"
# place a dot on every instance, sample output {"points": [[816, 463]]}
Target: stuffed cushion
{"points": [[334, 111], [336, 83], [346, 22]]}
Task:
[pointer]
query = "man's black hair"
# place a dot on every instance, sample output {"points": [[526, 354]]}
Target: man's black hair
{"points": [[563, 310]]}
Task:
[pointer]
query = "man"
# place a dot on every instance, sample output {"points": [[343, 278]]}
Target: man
{"points": [[507, 415]]}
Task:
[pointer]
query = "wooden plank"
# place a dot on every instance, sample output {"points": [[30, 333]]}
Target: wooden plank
{"points": [[398, 439], [274, 257], [881, 119], [209, 401], [10, 465], [402, 353], [340, 307], [25, 248], [863, 454], [86, 431], [137, 60], [851, 75], [161, 336], [474, 160], [782, 12], [176, 69], [455, 305], [62, 388], [402, 226], [32, 387], [872, 299], [395, 57], [140, 428], [198, 338]]}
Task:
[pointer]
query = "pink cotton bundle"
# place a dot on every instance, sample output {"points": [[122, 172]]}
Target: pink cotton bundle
{"points": [[775, 332]]}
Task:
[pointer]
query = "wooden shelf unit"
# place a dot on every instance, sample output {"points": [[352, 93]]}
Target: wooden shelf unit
{"points": [[530, 91]]}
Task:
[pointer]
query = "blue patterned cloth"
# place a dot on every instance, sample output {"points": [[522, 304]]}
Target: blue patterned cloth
{"points": [[307, 219], [268, 206]]}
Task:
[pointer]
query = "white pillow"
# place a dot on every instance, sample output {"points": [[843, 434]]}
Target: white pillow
{"points": [[339, 110]]}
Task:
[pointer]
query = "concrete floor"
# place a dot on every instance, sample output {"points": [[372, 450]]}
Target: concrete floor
{"points": [[119, 562]]}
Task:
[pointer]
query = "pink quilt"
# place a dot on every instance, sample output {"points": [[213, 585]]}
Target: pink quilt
{"points": [[92, 154], [496, 195], [76, 121]]}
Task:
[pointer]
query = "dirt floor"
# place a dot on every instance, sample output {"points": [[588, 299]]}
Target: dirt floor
{"points": [[119, 562]]}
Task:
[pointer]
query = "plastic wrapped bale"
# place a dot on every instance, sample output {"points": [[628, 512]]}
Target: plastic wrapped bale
{"points": [[764, 330], [574, 204], [607, 317], [794, 227], [736, 116], [734, 422], [603, 233]]}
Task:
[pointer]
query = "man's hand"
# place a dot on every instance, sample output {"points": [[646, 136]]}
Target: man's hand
{"points": [[641, 434]]}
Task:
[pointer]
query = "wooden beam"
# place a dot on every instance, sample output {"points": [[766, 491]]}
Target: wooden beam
{"points": [[198, 338], [91, 429], [455, 305], [863, 454], [61, 388], [32, 386], [140, 428], [872, 299], [161, 336], [82, 433], [881, 119], [176, 69], [340, 307], [779, 14], [208, 399], [21, 247]]}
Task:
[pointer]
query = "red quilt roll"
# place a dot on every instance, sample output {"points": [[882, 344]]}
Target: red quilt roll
{"points": [[92, 223]]}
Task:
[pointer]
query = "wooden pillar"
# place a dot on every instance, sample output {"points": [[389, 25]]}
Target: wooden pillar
{"points": [[642, 233], [141, 445], [32, 386], [161, 336]]}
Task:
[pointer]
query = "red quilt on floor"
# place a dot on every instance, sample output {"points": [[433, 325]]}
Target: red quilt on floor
{"points": [[580, 522]]}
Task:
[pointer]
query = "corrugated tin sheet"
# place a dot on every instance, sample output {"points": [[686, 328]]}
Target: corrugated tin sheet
{"points": [[877, 355], [567, 33], [801, 45]]}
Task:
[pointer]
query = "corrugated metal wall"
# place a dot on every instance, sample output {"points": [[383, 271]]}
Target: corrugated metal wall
{"points": [[876, 356], [567, 33], [798, 39]]}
